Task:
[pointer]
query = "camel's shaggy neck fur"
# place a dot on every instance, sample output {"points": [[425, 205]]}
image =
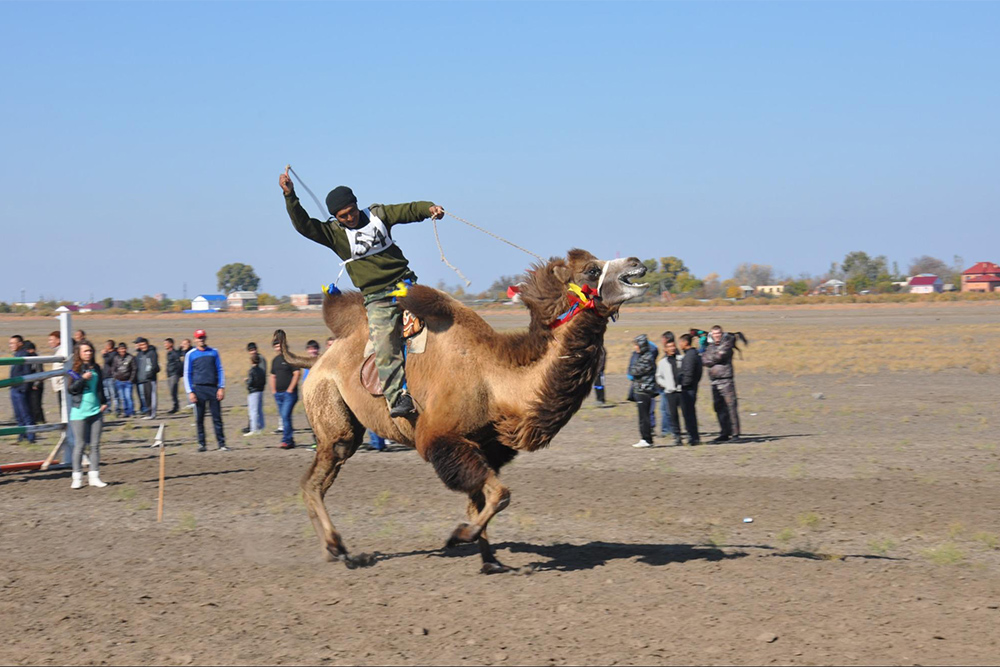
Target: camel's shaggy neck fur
{"points": [[567, 378], [563, 387]]}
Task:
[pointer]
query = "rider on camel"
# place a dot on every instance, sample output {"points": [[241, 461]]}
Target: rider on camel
{"points": [[363, 239]]}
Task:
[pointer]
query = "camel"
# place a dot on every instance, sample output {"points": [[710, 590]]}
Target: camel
{"points": [[483, 395]]}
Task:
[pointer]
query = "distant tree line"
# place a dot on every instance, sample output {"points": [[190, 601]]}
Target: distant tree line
{"points": [[669, 275]]}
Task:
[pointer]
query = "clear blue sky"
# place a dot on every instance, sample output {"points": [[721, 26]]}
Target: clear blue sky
{"points": [[142, 142]]}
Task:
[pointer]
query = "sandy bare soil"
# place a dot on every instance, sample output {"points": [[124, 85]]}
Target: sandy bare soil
{"points": [[876, 520]]}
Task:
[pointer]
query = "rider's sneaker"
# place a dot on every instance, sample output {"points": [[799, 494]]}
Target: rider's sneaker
{"points": [[403, 407]]}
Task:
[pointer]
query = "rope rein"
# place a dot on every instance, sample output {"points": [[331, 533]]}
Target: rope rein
{"points": [[498, 238], [303, 183], [437, 237]]}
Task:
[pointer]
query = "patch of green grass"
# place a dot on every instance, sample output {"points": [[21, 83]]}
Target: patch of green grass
{"points": [[716, 540], [988, 540], [882, 546], [187, 523], [785, 535], [125, 492], [143, 505], [809, 520], [944, 554]]}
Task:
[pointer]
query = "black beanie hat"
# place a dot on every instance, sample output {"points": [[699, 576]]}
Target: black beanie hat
{"points": [[340, 198]]}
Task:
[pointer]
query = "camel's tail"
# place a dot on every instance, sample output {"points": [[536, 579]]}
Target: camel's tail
{"points": [[293, 359]]}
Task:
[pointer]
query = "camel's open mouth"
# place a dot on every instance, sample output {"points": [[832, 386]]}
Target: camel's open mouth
{"points": [[626, 277]]}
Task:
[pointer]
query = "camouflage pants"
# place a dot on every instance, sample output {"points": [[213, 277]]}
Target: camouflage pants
{"points": [[724, 401], [385, 329]]}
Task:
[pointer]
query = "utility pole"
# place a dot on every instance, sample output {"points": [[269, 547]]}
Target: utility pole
{"points": [[185, 291]]}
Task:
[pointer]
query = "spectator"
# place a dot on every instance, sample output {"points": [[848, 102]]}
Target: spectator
{"points": [[631, 397], [19, 393], [123, 371], [602, 357], [34, 388], [285, 387], [690, 376], [175, 369], [642, 370], [668, 379], [666, 422], [58, 388], [262, 362], [205, 383], [329, 341], [256, 382], [312, 350], [78, 336], [110, 390], [376, 443], [718, 358], [86, 393], [147, 364], [185, 348]]}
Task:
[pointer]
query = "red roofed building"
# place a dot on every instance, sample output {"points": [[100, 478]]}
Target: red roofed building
{"points": [[981, 277], [925, 283]]}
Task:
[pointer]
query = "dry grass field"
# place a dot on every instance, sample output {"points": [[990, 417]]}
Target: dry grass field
{"points": [[870, 471]]}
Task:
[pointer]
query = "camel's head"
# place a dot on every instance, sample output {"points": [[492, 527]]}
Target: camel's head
{"points": [[610, 279]]}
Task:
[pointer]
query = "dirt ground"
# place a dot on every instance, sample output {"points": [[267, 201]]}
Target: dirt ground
{"points": [[873, 492]]}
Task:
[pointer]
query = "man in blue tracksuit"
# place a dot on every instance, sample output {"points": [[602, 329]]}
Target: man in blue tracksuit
{"points": [[206, 385]]}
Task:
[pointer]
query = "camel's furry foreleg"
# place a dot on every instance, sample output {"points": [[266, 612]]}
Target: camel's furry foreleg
{"points": [[464, 466]]}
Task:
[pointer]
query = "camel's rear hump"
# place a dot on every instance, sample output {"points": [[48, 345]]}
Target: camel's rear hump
{"points": [[344, 312]]}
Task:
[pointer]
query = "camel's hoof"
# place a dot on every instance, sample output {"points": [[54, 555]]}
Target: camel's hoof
{"points": [[361, 560], [495, 568], [465, 533]]}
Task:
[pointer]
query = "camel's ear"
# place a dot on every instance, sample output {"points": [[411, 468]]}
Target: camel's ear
{"points": [[562, 273]]}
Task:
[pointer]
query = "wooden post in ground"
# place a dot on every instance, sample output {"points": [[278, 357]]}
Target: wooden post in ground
{"points": [[163, 467], [55, 450]]}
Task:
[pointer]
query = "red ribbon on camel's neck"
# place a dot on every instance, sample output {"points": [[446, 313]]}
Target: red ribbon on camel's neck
{"points": [[580, 299]]}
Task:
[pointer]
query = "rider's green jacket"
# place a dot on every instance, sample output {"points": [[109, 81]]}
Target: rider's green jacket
{"points": [[373, 273]]}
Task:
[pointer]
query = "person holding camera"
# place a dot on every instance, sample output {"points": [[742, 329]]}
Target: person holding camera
{"points": [[86, 415], [718, 358]]}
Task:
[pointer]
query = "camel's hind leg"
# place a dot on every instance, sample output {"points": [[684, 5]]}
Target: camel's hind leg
{"points": [[333, 447]]}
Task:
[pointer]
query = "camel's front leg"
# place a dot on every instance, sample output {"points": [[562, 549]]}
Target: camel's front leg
{"points": [[462, 466], [497, 497], [490, 563]]}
